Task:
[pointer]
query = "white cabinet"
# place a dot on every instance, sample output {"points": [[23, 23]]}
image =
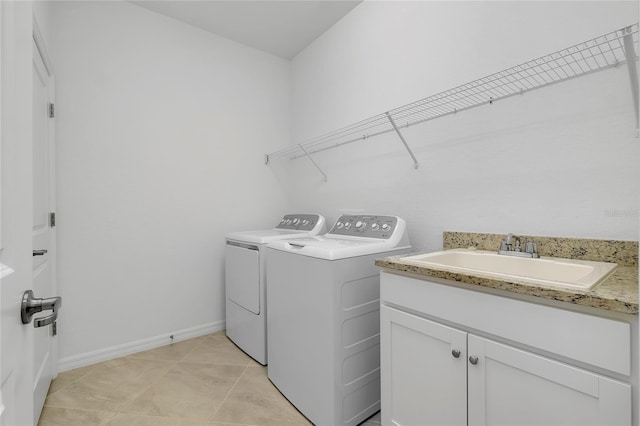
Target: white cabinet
{"points": [[439, 374], [423, 383], [508, 386]]}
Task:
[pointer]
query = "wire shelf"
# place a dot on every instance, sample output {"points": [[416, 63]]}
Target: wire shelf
{"points": [[603, 52]]}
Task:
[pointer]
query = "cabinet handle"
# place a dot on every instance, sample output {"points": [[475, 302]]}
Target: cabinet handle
{"points": [[455, 353], [473, 359]]}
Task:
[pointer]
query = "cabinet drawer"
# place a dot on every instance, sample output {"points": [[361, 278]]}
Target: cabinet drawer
{"points": [[597, 341]]}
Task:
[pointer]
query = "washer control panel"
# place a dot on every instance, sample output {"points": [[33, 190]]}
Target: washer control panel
{"points": [[365, 226], [299, 222]]}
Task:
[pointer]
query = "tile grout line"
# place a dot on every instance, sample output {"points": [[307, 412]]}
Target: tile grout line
{"points": [[101, 364], [176, 362], [86, 410], [170, 364], [229, 393], [72, 381], [153, 382], [89, 410], [113, 416], [148, 386]]}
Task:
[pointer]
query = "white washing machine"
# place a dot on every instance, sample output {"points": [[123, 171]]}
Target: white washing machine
{"points": [[323, 323], [245, 280]]}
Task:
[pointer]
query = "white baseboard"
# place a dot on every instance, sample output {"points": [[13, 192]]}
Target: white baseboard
{"points": [[112, 352]]}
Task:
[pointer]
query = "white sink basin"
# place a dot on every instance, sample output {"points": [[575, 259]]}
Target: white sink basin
{"points": [[553, 271]]}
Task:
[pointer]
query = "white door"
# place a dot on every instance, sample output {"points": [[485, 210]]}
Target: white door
{"points": [[508, 386], [424, 372], [43, 234], [27, 360], [16, 135]]}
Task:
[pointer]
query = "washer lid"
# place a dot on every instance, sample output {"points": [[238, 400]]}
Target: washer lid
{"points": [[262, 236], [333, 246], [290, 226]]}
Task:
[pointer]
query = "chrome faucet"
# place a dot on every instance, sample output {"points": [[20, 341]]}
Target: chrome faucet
{"points": [[512, 246]]}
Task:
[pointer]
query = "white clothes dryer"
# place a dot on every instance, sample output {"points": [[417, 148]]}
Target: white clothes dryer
{"points": [[323, 322], [245, 280]]}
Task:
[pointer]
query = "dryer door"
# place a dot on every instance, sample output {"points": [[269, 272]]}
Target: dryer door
{"points": [[242, 275]]}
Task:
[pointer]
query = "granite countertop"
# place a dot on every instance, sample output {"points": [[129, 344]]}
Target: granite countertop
{"points": [[618, 292]]}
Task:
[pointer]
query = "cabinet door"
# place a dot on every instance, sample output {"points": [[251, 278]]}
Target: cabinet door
{"points": [[508, 386], [423, 379]]}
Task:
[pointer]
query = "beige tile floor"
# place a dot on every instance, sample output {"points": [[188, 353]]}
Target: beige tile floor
{"points": [[205, 381]]}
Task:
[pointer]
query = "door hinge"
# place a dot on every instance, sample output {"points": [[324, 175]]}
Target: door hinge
{"points": [[54, 328], [52, 219], [52, 110]]}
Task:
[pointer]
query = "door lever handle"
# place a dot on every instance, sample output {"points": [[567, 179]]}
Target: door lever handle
{"points": [[39, 252], [31, 306]]}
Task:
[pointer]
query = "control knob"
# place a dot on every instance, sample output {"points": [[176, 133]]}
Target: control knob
{"points": [[339, 225], [295, 221], [347, 225], [305, 222], [360, 224], [386, 227], [375, 226], [288, 222]]}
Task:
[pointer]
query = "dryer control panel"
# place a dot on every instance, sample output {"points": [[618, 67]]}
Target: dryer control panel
{"points": [[300, 222], [381, 227]]}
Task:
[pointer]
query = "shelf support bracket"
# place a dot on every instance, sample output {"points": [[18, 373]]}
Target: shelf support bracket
{"points": [[314, 163], [630, 53], [404, 142]]}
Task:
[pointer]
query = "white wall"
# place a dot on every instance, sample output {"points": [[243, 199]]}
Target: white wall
{"points": [[161, 133], [42, 11], [560, 161]]}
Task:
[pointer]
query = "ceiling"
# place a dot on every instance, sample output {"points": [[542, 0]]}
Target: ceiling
{"points": [[282, 28]]}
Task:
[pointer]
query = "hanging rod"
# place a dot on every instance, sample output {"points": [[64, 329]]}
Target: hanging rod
{"points": [[598, 54]]}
